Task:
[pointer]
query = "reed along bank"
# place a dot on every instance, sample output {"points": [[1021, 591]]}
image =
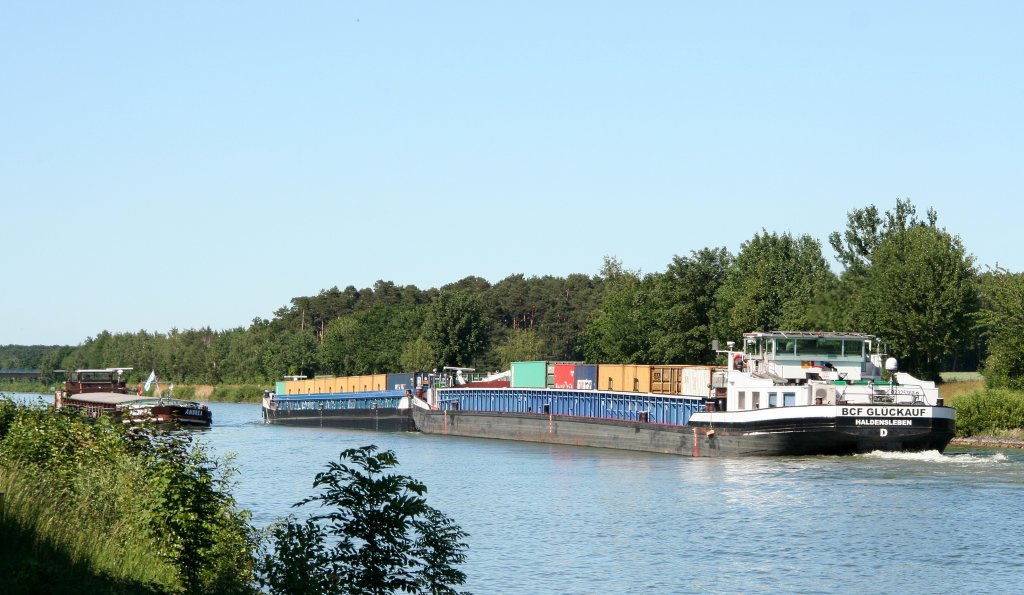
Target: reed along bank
{"points": [[98, 506]]}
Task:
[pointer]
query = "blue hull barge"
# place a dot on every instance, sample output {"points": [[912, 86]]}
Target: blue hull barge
{"points": [[373, 402], [782, 393]]}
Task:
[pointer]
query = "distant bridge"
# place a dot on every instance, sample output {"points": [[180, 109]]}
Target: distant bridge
{"points": [[19, 374]]}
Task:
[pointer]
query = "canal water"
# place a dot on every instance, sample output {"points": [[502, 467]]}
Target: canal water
{"points": [[559, 519]]}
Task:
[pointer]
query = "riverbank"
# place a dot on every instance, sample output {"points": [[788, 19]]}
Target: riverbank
{"points": [[95, 502], [988, 441]]}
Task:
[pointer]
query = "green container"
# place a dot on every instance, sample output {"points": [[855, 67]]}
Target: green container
{"points": [[279, 387], [529, 374]]}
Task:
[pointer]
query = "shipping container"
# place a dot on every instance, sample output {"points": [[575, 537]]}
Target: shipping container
{"points": [[279, 388], [611, 377], [697, 381], [549, 380], [586, 376], [638, 378], [529, 374], [667, 380], [400, 382], [564, 376]]}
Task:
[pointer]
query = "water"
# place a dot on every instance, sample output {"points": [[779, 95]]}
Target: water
{"points": [[558, 519]]}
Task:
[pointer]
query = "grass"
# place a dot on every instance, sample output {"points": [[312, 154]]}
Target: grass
{"points": [[29, 565], [246, 393], [91, 506], [950, 390], [960, 376]]}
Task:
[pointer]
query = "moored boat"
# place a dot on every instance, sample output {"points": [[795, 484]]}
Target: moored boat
{"points": [[781, 393], [104, 391]]}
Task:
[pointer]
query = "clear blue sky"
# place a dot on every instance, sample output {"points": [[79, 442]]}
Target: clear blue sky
{"points": [[189, 164]]}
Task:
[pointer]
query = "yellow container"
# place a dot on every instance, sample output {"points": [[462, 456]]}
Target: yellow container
{"points": [[639, 378], [612, 377]]}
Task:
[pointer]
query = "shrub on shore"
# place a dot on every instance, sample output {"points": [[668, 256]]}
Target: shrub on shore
{"points": [[135, 505], [246, 393], [988, 411]]}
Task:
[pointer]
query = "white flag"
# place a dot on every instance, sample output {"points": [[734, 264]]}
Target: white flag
{"points": [[149, 381]]}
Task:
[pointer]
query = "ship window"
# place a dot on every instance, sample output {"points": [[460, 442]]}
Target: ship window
{"points": [[787, 346], [788, 399], [755, 400], [773, 399], [742, 400]]}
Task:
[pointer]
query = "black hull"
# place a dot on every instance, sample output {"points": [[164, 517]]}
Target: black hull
{"points": [[381, 419], [809, 436], [179, 416]]}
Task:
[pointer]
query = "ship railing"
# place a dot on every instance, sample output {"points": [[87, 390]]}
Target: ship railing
{"points": [[899, 394]]}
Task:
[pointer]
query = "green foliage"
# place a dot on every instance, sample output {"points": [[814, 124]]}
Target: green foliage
{"points": [[866, 229], [384, 537], [417, 355], [772, 284], [371, 341], [919, 294], [137, 505], [622, 330], [988, 412], [456, 328], [521, 345], [1002, 320], [683, 300], [248, 393], [197, 527]]}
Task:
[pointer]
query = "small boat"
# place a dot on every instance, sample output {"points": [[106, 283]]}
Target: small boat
{"points": [[104, 391], [780, 393]]}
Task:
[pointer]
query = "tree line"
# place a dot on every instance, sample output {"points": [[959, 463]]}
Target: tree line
{"points": [[903, 277]]}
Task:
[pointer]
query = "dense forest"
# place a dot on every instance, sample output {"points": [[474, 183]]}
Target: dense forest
{"points": [[902, 277]]}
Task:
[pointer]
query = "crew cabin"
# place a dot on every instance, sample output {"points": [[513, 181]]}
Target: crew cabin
{"points": [[789, 369]]}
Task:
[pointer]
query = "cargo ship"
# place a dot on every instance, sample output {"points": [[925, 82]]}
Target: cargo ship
{"points": [[779, 393], [96, 392], [370, 402]]}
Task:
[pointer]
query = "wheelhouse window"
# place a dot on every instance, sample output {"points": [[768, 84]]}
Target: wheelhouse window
{"points": [[773, 399], [788, 399]]}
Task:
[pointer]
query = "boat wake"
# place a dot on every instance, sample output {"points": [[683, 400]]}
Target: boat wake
{"points": [[934, 456]]}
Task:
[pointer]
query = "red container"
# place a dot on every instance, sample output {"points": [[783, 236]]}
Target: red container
{"points": [[565, 375]]}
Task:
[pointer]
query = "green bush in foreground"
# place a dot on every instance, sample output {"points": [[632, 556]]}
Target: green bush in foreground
{"points": [[133, 506], [384, 536], [988, 411]]}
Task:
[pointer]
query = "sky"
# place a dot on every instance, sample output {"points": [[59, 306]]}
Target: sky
{"points": [[198, 164]]}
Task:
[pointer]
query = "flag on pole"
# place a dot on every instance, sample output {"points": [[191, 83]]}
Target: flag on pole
{"points": [[149, 381]]}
